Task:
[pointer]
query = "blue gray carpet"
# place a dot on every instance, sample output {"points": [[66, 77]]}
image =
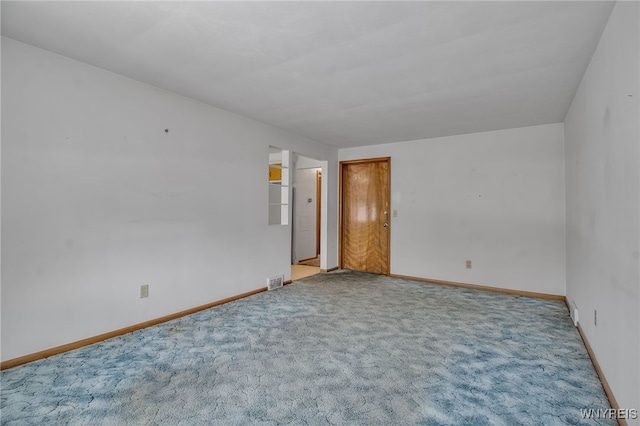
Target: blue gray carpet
{"points": [[333, 349]]}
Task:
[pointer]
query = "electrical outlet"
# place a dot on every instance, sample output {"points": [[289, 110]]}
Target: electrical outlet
{"points": [[468, 264], [144, 291], [595, 317]]}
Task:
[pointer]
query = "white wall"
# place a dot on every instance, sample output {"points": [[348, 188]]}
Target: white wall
{"points": [[496, 198], [301, 162], [602, 141], [97, 199]]}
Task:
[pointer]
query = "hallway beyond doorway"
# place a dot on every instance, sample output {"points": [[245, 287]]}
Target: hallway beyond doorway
{"points": [[303, 271]]}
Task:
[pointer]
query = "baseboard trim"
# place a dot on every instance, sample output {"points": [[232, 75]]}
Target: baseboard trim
{"points": [[99, 338], [601, 376], [287, 282], [335, 268], [482, 287]]}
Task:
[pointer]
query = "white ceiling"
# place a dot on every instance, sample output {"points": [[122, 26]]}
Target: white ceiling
{"points": [[342, 73]]}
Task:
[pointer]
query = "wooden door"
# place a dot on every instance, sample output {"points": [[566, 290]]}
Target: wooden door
{"points": [[364, 213]]}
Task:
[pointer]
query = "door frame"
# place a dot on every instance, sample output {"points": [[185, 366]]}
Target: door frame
{"points": [[318, 209], [342, 166]]}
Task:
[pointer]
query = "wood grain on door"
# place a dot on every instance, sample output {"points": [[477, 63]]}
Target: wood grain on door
{"points": [[365, 221]]}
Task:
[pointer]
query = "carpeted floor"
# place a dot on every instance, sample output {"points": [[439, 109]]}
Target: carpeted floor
{"points": [[339, 348]]}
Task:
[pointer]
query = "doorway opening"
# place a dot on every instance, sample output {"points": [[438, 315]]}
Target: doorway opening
{"points": [[306, 216]]}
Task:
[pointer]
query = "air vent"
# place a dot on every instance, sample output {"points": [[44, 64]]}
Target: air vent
{"points": [[275, 282], [573, 311]]}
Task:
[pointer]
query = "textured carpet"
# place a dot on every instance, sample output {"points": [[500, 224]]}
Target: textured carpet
{"points": [[339, 348]]}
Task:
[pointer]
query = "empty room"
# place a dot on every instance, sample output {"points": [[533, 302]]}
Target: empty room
{"points": [[322, 213]]}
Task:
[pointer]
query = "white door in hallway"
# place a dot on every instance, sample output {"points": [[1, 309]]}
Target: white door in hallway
{"points": [[305, 213]]}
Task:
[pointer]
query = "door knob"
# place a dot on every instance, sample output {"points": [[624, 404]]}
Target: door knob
{"points": [[385, 224]]}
